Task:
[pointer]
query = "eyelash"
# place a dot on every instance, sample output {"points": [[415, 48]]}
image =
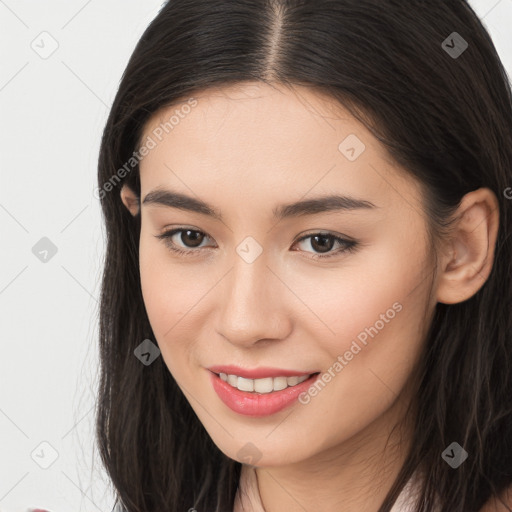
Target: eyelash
{"points": [[350, 245]]}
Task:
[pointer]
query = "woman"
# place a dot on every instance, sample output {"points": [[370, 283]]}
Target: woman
{"points": [[306, 296]]}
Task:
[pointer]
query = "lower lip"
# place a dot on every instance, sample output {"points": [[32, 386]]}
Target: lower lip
{"points": [[256, 404]]}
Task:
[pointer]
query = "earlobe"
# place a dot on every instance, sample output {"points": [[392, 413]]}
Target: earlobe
{"points": [[130, 199], [469, 254]]}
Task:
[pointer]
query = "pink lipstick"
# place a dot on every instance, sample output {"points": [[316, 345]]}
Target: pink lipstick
{"points": [[279, 388]]}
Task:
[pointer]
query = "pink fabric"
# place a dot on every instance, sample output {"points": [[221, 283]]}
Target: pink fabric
{"points": [[248, 499]]}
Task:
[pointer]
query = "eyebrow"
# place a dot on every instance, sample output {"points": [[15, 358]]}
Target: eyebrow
{"points": [[329, 203]]}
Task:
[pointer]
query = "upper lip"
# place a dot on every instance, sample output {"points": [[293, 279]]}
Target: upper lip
{"points": [[256, 373]]}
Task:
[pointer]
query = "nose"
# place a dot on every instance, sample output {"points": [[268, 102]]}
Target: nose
{"points": [[255, 304]]}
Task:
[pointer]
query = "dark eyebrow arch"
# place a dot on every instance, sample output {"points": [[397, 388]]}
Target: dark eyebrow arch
{"points": [[329, 203]]}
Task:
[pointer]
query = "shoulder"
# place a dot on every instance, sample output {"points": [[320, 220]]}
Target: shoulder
{"points": [[495, 505]]}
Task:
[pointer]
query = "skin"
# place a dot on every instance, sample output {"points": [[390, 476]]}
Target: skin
{"points": [[245, 149]]}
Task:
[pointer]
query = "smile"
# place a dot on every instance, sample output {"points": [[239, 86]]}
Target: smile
{"points": [[267, 392]]}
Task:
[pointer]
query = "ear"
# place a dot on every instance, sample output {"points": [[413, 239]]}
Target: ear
{"points": [[469, 253], [130, 199]]}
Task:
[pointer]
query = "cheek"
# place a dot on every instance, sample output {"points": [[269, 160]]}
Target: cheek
{"points": [[169, 289], [164, 292], [367, 364], [175, 296], [375, 296], [378, 313]]}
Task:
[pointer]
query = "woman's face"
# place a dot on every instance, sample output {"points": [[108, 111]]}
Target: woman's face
{"points": [[249, 298]]}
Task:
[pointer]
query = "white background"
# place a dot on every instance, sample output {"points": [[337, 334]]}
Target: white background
{"points": [[52, 113]]}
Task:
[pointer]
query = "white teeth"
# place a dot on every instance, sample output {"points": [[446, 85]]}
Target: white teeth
{"points": [[245, 384], [280, 383], [292, 381], [301, 379], [266, 385]]}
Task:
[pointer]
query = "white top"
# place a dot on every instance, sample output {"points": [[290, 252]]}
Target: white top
{"points": [[248, 499]]}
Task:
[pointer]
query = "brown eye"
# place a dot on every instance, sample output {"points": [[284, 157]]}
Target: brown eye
{"points": [[191, 238], [322, 243], [187, 239]]}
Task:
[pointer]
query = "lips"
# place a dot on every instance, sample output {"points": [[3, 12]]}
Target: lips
{"points": [[243, 399]]}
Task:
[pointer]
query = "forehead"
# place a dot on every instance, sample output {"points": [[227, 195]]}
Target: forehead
{"points": [[253, 139]]}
